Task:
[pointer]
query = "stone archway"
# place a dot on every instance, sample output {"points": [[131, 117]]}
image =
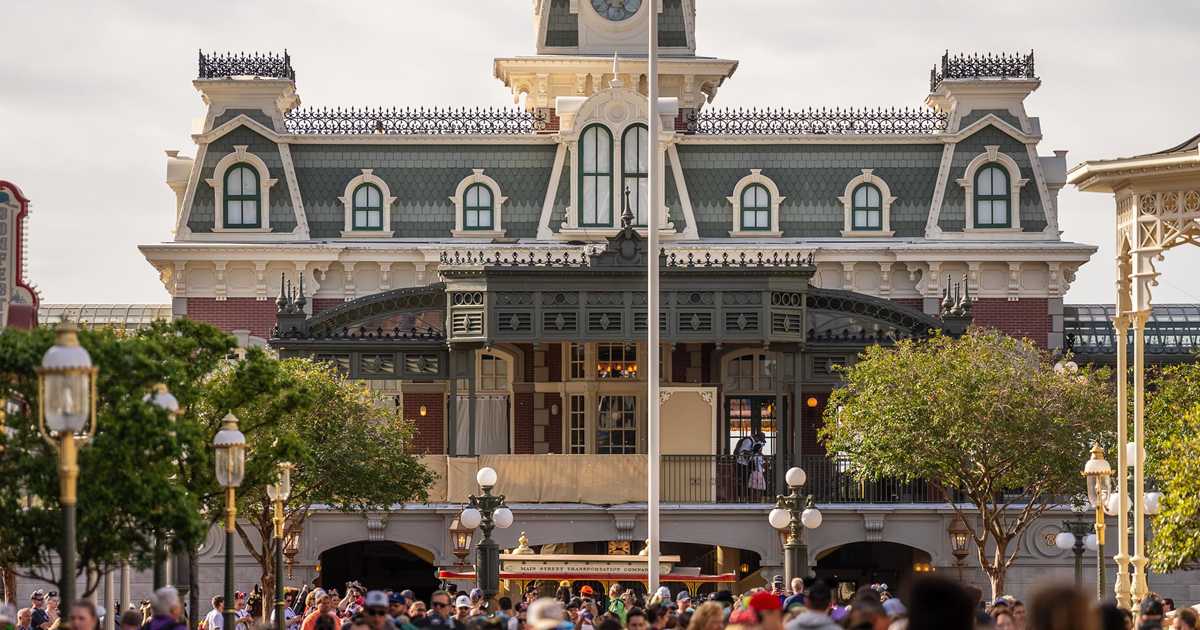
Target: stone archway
{"points": [[381, 565], [859, 564]]}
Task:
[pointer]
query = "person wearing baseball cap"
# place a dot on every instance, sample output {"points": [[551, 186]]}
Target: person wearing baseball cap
{"points": [[769, 609], [462, 609], [375, 611], [37, 605], [683, 601]]}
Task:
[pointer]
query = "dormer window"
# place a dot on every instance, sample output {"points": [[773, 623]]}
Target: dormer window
{"points": [[595, 177], [868, 208], [368, 205], [756, 208], [478, 208], [242, 199], [368, 208], [635, 156], [993, 198], [755, 202]]}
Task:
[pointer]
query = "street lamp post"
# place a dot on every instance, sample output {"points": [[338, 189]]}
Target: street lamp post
{"points": [[793, 512], [230, 446], [279, 492], [1098, 473], [1074, 539], [487, 511], [960, 536], [66, 420], [162, 398]]}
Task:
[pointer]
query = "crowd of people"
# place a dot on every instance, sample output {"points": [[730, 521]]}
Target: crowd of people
{"points": [[931, 603]]}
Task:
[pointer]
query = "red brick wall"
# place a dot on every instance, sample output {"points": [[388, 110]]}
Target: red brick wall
{"points": [[257, 316], [429, 438], [523, 424], [917, 303], [554, 431], [320, 304], [810, 422], [554, 354], [1027, 317]]}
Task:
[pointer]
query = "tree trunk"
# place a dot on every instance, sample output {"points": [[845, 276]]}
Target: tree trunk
{"points": [[268, 581], [999, 569], [10, 584], [194, 615]]}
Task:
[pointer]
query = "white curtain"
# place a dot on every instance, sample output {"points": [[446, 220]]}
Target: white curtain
{"points": [[491, 425]]}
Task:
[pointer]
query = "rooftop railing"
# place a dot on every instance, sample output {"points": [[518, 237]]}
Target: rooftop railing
{"points": [[812, 121], [408, 121], [985, 66], [264, 65]]}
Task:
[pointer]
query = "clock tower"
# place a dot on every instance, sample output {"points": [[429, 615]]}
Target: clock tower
{"points": [[577, 40]]}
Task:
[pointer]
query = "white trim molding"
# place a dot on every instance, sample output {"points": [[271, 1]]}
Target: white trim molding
{"points": [[735, 200], [265, 182], [886, 199], [991, 155], [459, 201], [368, 176]]}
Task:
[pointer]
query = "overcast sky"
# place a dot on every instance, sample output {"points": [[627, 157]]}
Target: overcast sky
{"points": [[91, 93]]}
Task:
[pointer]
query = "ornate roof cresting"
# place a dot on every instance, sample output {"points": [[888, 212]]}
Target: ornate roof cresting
{"points": [[263, 65], [982, 66]]}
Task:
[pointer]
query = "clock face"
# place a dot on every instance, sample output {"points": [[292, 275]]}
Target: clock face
{"points": [[616, 10]]}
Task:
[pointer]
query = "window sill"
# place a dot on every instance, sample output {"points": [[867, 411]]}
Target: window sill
{"points": [[868, 233], [367, 234], [992, 230], [241, 230], [477, 233], [755, 233]]}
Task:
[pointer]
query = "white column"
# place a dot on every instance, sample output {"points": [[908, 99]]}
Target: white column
{"points": [[112, 611], [653, 182], [124, 586], [1121, 326]]}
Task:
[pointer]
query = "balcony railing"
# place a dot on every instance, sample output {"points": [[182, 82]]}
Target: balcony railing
{"points": [[686, 479]]}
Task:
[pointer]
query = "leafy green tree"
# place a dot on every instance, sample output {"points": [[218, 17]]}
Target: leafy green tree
{"points": [[352, 452], [1172, 444], [127, 491], [984, 418]]}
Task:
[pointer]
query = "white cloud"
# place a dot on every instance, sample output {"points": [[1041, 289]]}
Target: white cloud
{"points": [[93, 92]]}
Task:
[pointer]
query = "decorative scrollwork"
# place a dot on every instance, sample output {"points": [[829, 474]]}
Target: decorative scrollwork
{"points": [[414, 121], [678, 260], [986, 66], [743, 122], [264, 65], [516, 259]]}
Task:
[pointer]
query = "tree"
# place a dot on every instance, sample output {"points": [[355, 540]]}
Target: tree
{"points": [[351, 451], [126, 494], [1172, 442], [984, 418]]}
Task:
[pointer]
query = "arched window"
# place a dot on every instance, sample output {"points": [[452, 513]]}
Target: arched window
{"points": [[868, 208], [368, 208], [477, 208], [756, 208], [242, 200], [993, 199], [635, 157], [595, 177]]}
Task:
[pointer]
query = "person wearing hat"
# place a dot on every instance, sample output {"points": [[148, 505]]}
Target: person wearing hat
{"points": [[544, 614], [683, 602], [462, 609], [375, 611], [768, 608]]}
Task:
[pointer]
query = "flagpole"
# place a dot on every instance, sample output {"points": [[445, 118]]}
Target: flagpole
{"points": [[653, 182]]}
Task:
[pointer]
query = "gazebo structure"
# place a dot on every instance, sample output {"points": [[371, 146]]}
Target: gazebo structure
{"points": [[1158, 207]]}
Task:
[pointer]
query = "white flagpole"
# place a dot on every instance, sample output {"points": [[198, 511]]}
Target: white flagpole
{"points": [[653, 182]]}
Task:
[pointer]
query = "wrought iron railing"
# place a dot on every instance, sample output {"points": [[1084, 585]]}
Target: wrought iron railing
{"points": [[811, 121], [407, 121], [725, 479], [987, 66], [265, 65]]}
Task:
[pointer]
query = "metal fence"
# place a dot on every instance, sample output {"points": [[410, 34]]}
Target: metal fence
{"points": [[726, 479]]}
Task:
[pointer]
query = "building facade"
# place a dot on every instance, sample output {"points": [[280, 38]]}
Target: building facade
{"points": [[481, 269], [18, 298]]}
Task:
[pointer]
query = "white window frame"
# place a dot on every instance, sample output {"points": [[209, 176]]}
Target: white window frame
{"points": [[735, 200], [885, 192], [992, 155], [367, 176], [570, 398], [568, 361], [637, 420], [265, 182], [459, 201], [756, 387], [509, 366]]}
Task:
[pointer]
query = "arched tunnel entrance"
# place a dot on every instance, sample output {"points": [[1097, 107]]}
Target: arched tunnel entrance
{"points": [[379, 565], [864, 563]]}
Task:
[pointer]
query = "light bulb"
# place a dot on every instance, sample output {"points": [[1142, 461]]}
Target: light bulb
{"points": [[486, 477], [503, 518], [779, 518], [795, 477], [811, 518], [470, 518], [1091, 542], [1064, 540]]}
